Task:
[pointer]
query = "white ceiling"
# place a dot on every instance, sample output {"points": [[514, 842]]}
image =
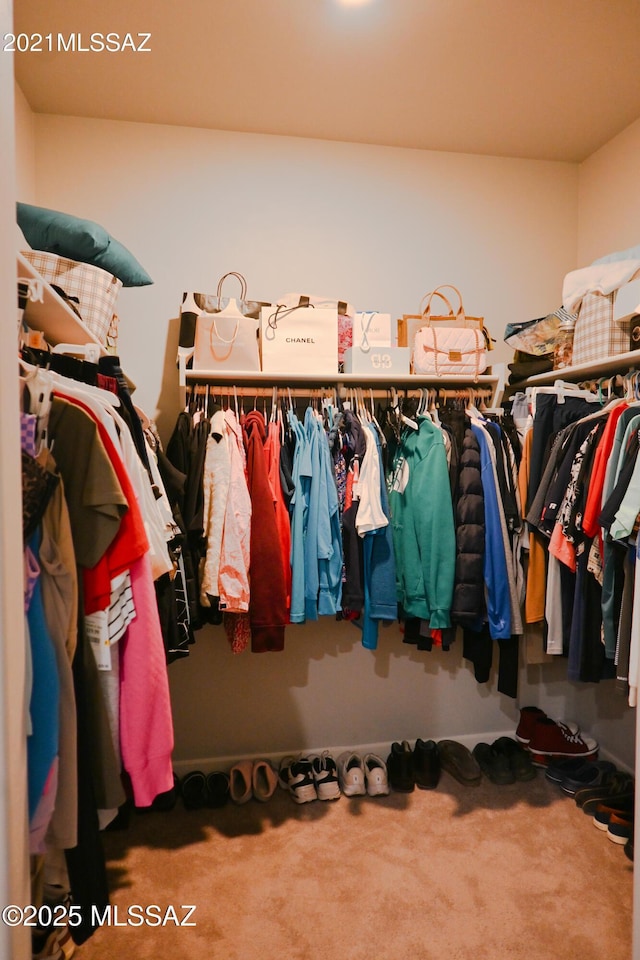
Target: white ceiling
{"points": [[545, 79]]}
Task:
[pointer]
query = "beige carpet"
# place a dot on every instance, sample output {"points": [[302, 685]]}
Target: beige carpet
{"points": [[516, 872]]}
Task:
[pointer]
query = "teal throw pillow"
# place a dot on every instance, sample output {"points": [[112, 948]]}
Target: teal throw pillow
{"points": [[82, 240]]}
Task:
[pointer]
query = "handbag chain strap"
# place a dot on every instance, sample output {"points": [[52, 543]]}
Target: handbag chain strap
{"points": [[476, 353]]}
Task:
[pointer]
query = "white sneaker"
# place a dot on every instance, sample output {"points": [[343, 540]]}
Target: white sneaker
{"points": [[296, 776], [375, 771], [325, 776], [351, 774]]}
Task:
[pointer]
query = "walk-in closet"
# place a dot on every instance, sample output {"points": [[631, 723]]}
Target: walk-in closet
{"points": [[362, 154]]}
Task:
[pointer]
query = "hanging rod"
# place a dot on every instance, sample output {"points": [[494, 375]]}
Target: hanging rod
{"points": [[211, 389]]}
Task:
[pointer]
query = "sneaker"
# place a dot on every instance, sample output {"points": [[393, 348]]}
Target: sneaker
{"points": [[558, 770], [296, 776], [591, 775], [400, 767], [325, 776], [529, 717], [611, 802], [375, 772], [351, 774], [555, 741], [620, 827], [612, 786], [620, 808]]}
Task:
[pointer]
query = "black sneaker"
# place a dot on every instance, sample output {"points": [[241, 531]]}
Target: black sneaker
{"points": [[591, 775], [400, 768]]}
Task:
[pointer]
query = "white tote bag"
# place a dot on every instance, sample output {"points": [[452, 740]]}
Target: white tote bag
{"points": [[299, 340], [227, 341]]}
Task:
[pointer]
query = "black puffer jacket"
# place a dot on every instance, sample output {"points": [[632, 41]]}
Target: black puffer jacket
{"points": [[468, 608]]}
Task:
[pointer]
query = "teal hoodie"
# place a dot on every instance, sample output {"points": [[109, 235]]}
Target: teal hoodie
{"points": [[423, 525]]}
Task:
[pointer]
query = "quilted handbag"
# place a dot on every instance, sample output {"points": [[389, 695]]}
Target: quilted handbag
{"points": [[452, 344], [449, 351]]}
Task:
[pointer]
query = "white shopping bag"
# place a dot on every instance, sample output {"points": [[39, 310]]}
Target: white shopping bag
{"points": [[371, 329], [299, 340]]}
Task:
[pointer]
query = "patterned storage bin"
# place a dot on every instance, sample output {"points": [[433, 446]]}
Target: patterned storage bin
{"points": [[96, 290], [597, 336]]}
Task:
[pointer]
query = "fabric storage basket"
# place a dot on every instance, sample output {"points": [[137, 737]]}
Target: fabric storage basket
{"points": [[95, 289], [596, 335]]}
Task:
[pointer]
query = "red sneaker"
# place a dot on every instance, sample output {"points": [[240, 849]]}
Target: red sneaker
{"points": [[551, 741], [529, 716]]}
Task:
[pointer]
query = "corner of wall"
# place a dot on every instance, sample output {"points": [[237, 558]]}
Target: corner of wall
{"points": [[25, 148]]}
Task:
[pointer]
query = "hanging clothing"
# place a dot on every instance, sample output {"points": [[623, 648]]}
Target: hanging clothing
{"points": [[268, 601], [423, 527]]}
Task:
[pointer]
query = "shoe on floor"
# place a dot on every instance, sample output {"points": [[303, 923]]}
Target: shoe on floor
{"points": [[628, 848], [590, 775], [494, 765], [529, 717], [519, 758], [217, 789], [351, 774], [325, 776], [264, 780], [240, 777], [623, 807], [194, 790], [552, 741], [559, 770], [296, 776], [620, 828], [375, 774], [458, 760], [617, 784], [612, 802], [426, 764], [400, 767]]}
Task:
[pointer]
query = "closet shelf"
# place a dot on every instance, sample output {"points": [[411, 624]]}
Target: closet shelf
{"points": [[52, 315], [585, 371], [495, 380]]}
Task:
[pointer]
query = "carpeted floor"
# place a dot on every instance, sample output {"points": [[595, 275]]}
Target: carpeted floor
{"points": [[506, 873]]}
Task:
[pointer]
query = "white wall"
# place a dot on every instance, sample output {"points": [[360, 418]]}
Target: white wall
{"points": [[609, 197], [378, 226], [25, 140]]}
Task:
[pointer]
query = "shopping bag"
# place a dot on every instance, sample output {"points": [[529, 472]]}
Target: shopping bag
{"points": [[300, 340], [537, 337], [371, 329], [345, 311], [231, 342]]}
